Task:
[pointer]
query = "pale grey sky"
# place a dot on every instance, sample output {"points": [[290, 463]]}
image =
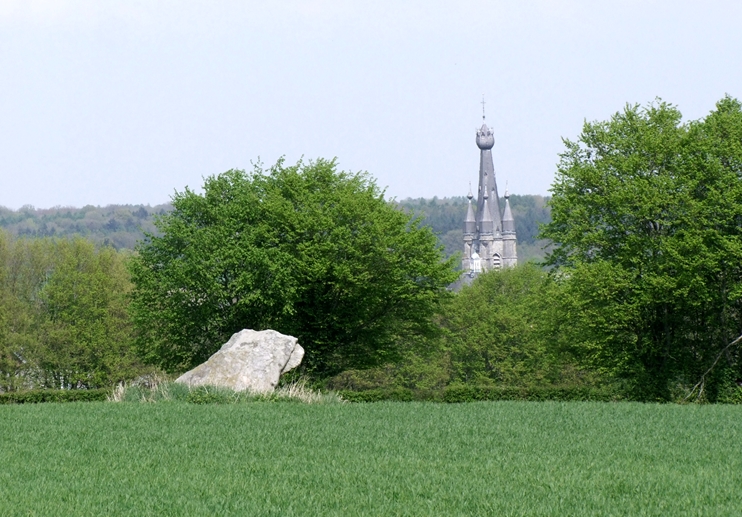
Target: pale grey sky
{"points": [[127, 101]]}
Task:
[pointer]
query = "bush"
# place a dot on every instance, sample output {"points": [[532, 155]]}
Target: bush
{"points": [[462, 393], [468, 393], [38, 396], [306, 250]]}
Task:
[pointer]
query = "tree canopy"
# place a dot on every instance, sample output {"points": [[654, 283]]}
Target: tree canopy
{"points": [[647, 228], [304, 249], [63, 315]]}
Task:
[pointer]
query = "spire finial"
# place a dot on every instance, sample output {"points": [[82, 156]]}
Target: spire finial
{"points": [[469, 195], [506, 190], [483, 103]]}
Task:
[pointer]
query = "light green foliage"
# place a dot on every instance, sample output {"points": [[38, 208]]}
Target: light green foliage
{"points": [[506, 458], [647, 226], [63, 319], [505, 329], [305, 250]]}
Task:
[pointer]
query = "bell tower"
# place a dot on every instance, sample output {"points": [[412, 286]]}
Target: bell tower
{"points": [[490, 234]]}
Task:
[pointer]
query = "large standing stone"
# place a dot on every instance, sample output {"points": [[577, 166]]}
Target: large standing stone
{"points": [[250, 360]]}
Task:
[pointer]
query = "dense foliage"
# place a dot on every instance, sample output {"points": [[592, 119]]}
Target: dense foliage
{"points": [[647, 228], [642, 298], [305, 250], [504, 329], [63, 315]]}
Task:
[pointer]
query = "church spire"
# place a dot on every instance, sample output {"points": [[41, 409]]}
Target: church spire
{"points": [[489, 234], [508, 223], [470, 223]]}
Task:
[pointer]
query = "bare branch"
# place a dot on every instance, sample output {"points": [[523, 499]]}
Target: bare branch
{"points": [[702, 383]]}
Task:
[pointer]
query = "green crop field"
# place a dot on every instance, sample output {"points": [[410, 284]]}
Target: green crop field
{"points": [[283, 458]]}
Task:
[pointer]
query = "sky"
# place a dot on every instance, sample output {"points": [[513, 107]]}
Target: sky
{"points": [[127, 102]]}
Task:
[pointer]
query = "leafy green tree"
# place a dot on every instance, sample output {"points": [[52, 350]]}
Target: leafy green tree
{"points": [[63, 315], [305, 250], [85, 338], [647, 228], [505, 329]]}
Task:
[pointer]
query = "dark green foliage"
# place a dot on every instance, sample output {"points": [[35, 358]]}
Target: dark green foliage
{"points": [[456, 393], [406, 459], [305, 250], [647, 227], [120, 226], [473, 393], [385, 394], [39, 396], [505, 333]]}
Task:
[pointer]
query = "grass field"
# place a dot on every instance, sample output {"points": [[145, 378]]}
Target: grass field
{"points": [[262, 458]]}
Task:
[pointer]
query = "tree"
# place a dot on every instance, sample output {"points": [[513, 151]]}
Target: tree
{"points": [[63, 317], [303, 249], [504, 329], [85, 336], [647, 228]]}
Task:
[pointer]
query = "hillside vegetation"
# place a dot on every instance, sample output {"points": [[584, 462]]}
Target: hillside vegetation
{"points": [[446, 217], [121, 226]]}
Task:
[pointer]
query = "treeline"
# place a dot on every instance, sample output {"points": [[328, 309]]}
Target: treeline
{"points": [[642, 299], [120, 226]]}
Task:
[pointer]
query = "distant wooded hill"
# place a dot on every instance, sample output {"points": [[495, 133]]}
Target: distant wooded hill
{"points": [[446, 217], [121, 226]]}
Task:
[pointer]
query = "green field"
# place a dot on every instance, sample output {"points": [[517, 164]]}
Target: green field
{"points": [[283, 458]]}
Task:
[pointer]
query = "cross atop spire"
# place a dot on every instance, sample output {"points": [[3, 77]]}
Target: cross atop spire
{"points": [[483, 103]]}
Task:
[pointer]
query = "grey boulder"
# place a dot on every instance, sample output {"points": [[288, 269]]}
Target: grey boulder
{"points": [[250, 360]]}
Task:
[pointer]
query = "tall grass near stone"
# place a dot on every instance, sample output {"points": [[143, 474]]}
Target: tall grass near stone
{"points": [[163, 390]]}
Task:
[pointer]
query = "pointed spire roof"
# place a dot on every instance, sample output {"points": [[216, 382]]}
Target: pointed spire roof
{"points": [[486, 224], [470, 223], [508, 223]]}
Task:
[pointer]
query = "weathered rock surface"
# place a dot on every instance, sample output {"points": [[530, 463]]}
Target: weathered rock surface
{"points": [[250, 360]]}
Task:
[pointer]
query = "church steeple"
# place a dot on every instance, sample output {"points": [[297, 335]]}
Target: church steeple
{"points": [[486, 141], [492, 233]]}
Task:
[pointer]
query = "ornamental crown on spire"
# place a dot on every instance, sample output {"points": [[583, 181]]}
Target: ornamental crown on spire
{"points": [[485, 137]]}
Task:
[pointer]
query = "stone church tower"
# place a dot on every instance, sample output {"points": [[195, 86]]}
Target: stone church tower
{"points": [[489, 235]]}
